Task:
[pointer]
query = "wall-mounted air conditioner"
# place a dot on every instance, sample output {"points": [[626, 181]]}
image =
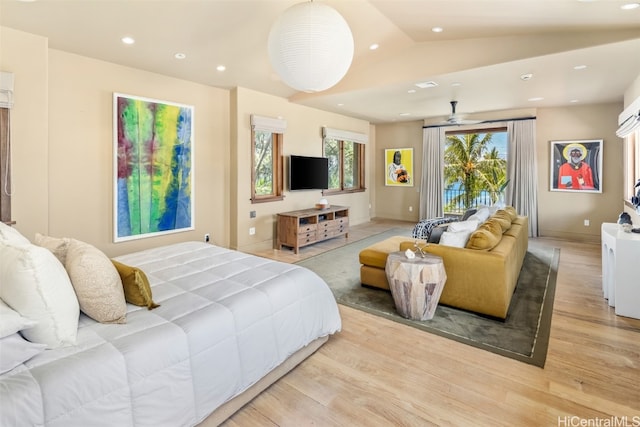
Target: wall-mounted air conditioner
{"points": [[629, 119]]}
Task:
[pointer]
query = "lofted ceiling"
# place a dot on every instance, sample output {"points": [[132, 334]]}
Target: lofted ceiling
{"points": [[478, 59]]}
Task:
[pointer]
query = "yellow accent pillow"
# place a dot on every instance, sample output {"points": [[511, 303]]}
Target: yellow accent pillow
{"points": [[512, 212], [502, 218], [486, 237], [137, 289]]}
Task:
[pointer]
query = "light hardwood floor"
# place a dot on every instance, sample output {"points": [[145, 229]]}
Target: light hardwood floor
{"points": [[381, 373]]}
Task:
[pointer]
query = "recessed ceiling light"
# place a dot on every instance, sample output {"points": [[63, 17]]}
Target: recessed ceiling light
{"points": [[630, 6], [437, 29], [411, 91], [405, 114], [180, 55], [537, 98], [579, 67], [424, 85], [527, 76], [221, 68], [128, 40], [341, 105], [573, 101], [456, 84], [374, 46]]}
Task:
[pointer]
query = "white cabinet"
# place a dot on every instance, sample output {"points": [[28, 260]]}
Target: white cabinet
{"points": [[621, 270]]}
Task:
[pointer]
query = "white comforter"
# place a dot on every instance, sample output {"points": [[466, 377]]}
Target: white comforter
{"points": [[226, 319]]}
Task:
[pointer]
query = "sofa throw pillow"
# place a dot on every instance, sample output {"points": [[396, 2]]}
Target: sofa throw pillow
{"points": [[12, 321], [36, 285], [469, 225], [481, 215], [57, 245], [15, 350], [96, 282], [137, 290], [456, 239], [11, 235], [486, 237], [512, 212], [502, 218]]}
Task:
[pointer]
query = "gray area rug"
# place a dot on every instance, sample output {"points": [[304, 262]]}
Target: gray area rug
{"points": [[523, 336]]}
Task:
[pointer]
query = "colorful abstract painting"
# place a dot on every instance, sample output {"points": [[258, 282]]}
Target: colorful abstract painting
{"points": [[153, 154]]}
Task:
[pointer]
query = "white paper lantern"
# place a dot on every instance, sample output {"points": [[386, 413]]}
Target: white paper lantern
{"points": [[311, 47]]}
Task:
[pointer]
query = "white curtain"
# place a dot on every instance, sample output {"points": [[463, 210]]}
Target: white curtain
{"points": [[523, 171], [432, 181]]}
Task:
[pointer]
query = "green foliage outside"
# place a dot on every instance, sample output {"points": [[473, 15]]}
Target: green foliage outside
{"points": [[263, 163], [469, 162]]}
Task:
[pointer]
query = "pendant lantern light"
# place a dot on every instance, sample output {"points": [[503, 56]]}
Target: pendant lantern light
{"points": [[310, 47]]}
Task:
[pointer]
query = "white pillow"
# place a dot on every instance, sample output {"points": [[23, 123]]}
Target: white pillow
{"points": [[15, 350], [36, 285], [468, 225], [11, 235], [457, 239], [11, 321], [481, 215], [96, 282]]}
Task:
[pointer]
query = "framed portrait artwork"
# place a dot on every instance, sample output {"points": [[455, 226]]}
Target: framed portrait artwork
{"points": [[153, 167], [576, 165], [398, 167]]}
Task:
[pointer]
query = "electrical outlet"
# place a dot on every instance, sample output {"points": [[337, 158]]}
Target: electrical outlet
{"points": [[252, 214], [252, 231], [586, 222], [207, 238]]}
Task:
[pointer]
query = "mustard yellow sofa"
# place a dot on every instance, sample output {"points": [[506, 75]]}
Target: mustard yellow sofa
{"points": [[481, 277]]}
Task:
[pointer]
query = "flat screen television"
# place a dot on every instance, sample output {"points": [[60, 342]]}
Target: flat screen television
{"points": [[308, 173]]}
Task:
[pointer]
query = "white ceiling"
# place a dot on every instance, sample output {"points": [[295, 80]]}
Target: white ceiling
{"points": [[485, 46]]}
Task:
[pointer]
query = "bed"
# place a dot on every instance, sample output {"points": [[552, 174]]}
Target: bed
{"points": [[228, 325]]}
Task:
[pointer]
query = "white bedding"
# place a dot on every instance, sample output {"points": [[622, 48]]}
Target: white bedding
{"points": [[226, 319]]}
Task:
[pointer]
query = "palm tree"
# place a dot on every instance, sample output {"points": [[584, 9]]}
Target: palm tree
{"points": [[493, 171], [467, 162]]}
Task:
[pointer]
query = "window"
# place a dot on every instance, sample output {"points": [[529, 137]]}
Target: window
{"points": [[346, 165], [475, 168], [267, 176], [5, 166], [631, 164]]}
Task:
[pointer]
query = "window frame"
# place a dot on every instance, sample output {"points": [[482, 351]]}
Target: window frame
{"points": [[631, 163], [359, 150], [277, 168]]}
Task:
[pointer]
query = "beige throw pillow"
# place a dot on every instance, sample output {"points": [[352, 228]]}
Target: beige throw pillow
{"points": [[96, 282], [57, 245]]}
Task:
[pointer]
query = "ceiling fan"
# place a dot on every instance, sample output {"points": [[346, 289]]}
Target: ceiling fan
{"points": [[455, 119]]}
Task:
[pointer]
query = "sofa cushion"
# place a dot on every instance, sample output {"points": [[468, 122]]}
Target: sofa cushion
{"points": [[376, 254]]}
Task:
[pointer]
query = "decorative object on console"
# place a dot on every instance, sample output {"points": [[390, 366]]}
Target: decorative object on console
{"points": [[624, 222], [322, 204], [153, 156], [310, 47]]}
